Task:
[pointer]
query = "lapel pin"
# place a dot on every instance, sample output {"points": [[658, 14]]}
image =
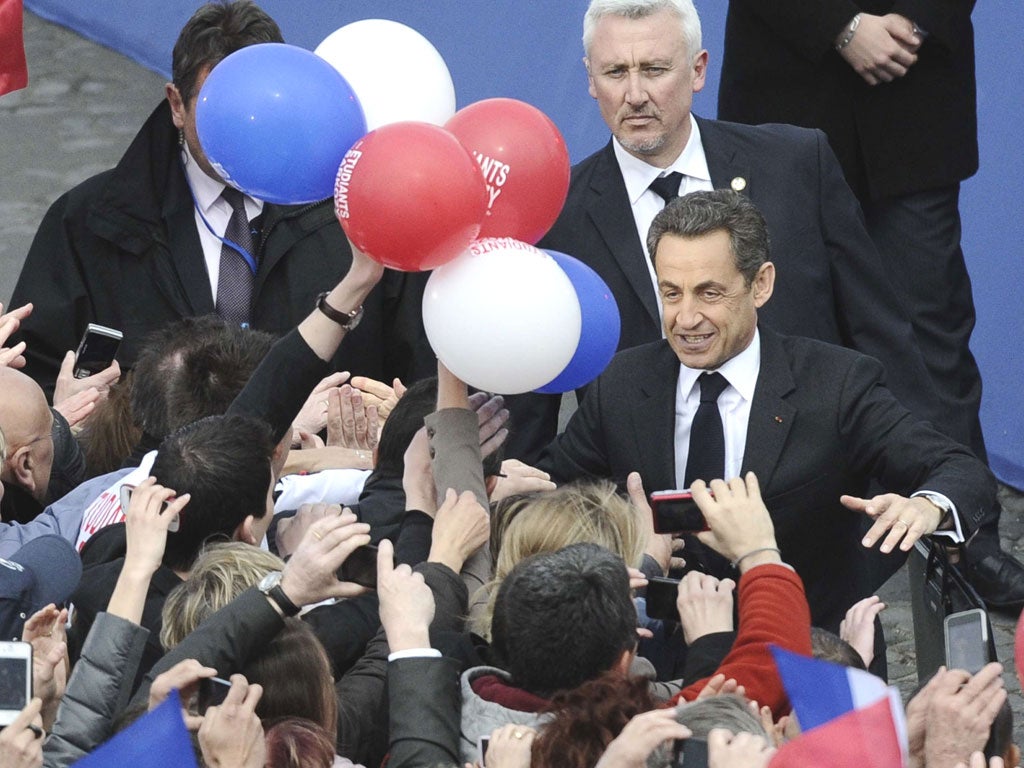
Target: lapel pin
{"points": [[738, 184], [778, 419]]}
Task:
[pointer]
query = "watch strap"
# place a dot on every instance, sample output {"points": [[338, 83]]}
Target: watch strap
{"points": [[288, 608], [344, 319]]}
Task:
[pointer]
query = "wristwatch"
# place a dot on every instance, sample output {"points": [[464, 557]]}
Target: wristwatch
{"points": [[271, 587], [347, 320]]}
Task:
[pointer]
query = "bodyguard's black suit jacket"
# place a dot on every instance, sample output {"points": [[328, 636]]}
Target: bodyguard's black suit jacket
{"points": [[916, 133], [830, 281], [822, 423]]}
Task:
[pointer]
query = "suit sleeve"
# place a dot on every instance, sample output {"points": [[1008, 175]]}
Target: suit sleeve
{"points": [[904, 454], [809, 26], [944, 20], [580, 451], [51, 278], [773, 611]]}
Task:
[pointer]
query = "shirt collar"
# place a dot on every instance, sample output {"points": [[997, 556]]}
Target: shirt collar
{"points": [[205, 191], [638, 175], [740, 371]]}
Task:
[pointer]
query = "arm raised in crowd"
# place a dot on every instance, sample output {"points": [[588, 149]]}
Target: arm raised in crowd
{"points": [[773, 607], [299, 361]]}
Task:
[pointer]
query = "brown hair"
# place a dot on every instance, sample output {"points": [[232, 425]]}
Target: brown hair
{"points": [[299, 743], [296, 677], [587, 718]]}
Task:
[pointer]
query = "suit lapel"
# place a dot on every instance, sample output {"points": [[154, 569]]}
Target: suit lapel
{"points": [[186, 254], [612, 215], [771, 415], [727, 163], [654, 421]]}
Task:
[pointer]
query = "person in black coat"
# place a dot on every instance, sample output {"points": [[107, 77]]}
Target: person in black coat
{"points": [[128, 248], [892, 84]]}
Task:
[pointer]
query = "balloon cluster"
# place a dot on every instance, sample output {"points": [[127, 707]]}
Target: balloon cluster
{"points": [[465, 194]]}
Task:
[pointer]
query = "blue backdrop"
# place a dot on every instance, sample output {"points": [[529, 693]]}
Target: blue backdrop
{"points": [[532, 51]]}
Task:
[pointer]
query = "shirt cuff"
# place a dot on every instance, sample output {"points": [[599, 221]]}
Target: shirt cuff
{"points": [[415, 653], [942, 502]]}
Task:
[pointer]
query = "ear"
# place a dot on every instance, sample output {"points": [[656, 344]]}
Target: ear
{"points": [[590, 79], [1013, 753], [764, 284], [20, 465], [624, 662], [244, 532], [177, 105], [700, 70], [490, 483]]}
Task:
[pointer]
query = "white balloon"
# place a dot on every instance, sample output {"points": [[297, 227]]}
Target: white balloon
{"points": [[503, 316], [394, 70]]}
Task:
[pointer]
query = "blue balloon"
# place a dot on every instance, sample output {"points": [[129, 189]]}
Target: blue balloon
{"points": [[599, 335], [275, 121]]}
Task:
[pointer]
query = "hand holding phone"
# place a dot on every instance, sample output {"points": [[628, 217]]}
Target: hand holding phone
{"points": [[97, 350], [676, 512], [966, 636], [15, 679], [360, 567], [660, 599]]}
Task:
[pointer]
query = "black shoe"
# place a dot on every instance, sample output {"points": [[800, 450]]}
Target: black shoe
{"points": [[998, 578]]}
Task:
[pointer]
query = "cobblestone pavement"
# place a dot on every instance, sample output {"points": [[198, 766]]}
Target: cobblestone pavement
{"points": [[82, 107]]}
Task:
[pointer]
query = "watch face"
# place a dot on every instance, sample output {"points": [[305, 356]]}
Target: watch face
{"points": [[270, 581]]}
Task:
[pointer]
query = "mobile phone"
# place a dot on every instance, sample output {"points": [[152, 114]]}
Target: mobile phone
{"points": [[690, 753], [676, 512], [212, 692], [966, 635], [96, 350], [360, 567], [126, 499], [15, 680], [660, 598], [481, 748]]}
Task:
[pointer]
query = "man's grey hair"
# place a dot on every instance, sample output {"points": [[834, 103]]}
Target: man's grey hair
{"points": [[702, 716], [701, 213], [689, 22]]}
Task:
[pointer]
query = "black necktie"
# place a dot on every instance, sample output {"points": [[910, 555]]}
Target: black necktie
{"points": [[706, 460], [667, 186], [234, 286]]}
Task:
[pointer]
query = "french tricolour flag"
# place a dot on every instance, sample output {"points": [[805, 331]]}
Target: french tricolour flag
{"points": [[848, 717]]}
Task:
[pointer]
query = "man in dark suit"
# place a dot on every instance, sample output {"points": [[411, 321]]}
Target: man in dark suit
{"points": [[140, 246], [892, 84], [813, 421], [644, 69]]}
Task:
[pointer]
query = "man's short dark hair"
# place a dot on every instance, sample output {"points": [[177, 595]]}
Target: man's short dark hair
{"points": [[701, 213], [214, 32], [224, 463], [404, 421], [191, 369], [563, 618], [828, 646]]}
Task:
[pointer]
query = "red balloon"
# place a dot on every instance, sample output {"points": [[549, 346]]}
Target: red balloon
{"points": [[410, 196], [524, 161]]}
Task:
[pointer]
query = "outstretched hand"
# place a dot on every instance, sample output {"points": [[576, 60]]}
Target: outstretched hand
{"points": [[901, 520]]}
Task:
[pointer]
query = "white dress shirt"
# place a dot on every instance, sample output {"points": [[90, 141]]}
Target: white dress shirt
{"points": [[645, 203], [206, 193], [733, 404]]}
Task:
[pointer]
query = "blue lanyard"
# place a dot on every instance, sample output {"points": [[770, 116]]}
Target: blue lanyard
{"points": [[249, 259]]}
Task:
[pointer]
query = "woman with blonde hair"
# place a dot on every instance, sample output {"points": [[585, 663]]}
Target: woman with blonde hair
{"points": [[591, 512], [221, 573]]}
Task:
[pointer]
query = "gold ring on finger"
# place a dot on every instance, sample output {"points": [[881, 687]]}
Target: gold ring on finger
{"points": [[518, 734], [319, 536]]}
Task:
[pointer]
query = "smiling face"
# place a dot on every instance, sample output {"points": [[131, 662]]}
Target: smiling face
{"points": [[710, 312], [644, 79]]}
